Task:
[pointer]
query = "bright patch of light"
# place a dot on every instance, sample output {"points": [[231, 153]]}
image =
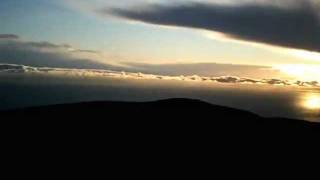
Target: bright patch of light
{"points": [[308, 55], [301, 71], [297, 53], [312, 102]]}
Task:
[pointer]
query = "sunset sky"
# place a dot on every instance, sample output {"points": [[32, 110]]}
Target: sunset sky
{"points": [[147, 35]]}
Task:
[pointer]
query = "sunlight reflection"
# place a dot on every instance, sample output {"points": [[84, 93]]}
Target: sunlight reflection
{"points": [[312, 102]]}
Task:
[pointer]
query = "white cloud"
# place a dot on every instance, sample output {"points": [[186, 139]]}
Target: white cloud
{"points": [[21, 69]]}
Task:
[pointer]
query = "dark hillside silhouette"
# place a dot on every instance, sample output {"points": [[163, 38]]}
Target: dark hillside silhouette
{"points": [[179, 115]]}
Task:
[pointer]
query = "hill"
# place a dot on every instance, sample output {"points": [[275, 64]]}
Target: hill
{"points": [[180, 115]]}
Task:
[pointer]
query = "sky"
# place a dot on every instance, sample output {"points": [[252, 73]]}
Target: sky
{"points": [[176, 37]]}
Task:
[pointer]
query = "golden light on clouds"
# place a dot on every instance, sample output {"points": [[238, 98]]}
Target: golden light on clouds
{"points": [[307, 55], [304, 55]]}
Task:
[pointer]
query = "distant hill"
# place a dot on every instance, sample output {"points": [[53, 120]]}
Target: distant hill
{"points": [[172, 115]]}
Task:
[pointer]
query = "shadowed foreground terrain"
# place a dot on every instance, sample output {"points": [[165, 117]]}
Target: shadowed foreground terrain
{"points": [[175, 133], [173, 115]]}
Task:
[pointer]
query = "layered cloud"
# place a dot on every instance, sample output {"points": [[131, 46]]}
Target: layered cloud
{"points": [[21, 69], [286, 23], [14, 50], [208, 69], [39, 55]]}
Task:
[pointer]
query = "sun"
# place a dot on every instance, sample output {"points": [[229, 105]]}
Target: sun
{"points": [[301, 71]]}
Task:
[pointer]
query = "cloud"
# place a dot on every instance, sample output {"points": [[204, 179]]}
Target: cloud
{"points": [[292, 24], [47, 54], [208, 69], [86, 51], [8, 36], [32, 57], [13, 50], [22, 69]]}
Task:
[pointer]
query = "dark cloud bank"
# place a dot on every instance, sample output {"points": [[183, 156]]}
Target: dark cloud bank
{"points": [[13, 50], [8, 36], [294, 27]]}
